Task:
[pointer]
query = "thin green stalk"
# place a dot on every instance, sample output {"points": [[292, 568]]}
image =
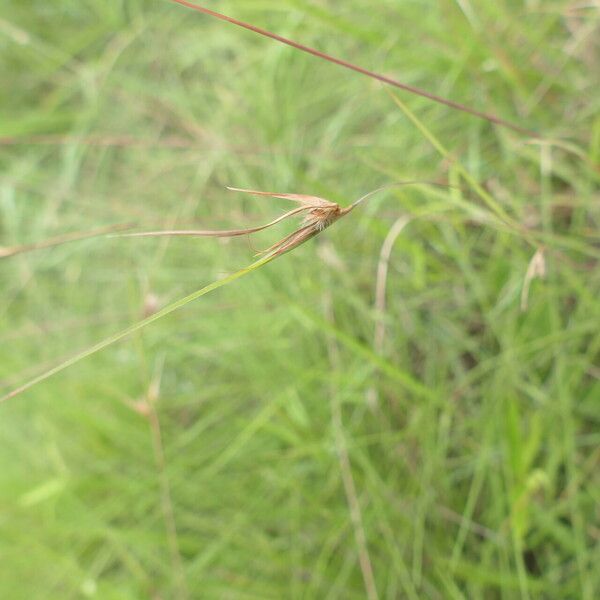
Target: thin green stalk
{"points": [[487, 198], [535, 238], [136, 327]]}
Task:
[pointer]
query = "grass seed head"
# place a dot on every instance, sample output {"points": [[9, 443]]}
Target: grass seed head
{"points": [[319, 214]]}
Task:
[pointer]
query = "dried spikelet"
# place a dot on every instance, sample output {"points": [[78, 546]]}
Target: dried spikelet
{"points": [[319, 214]]}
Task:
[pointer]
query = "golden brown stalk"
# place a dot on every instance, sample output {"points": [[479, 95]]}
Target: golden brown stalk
{"points": [[8, 251], [348, 65], [213, 232]]}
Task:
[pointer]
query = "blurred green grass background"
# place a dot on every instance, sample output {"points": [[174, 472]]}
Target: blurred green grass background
{"points": [[260, 443]]}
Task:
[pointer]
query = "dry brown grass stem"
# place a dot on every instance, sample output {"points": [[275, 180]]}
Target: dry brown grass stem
{"points": [[380, 295], [147, 408], [9, 251], [98, 141], [348, 65], [381, 285], [536, 268], [354, 508]]}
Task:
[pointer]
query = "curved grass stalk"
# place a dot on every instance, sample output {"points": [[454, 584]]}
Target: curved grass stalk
{"points": [[494, 206], [533, 237]]}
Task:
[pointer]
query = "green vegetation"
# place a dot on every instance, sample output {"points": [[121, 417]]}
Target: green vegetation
{"points": [[289, 435]]}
